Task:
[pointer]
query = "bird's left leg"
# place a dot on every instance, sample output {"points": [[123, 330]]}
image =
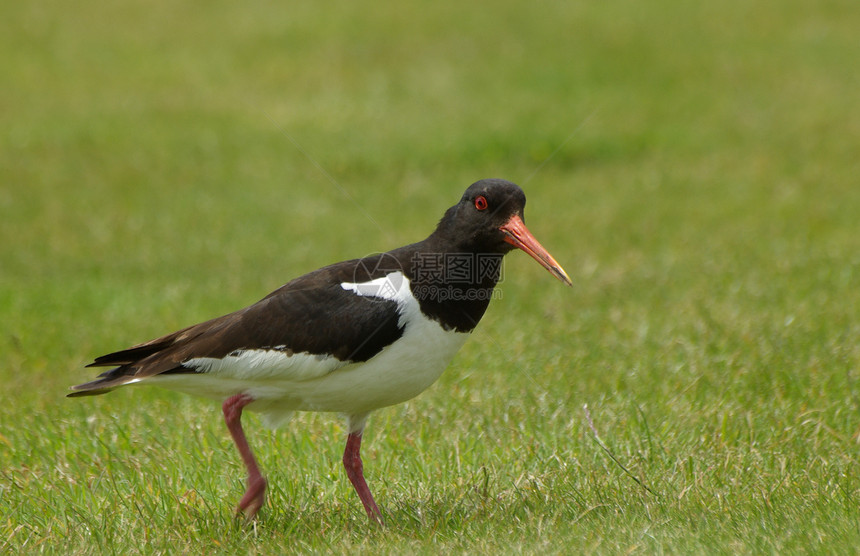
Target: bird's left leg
{"points": [[252, 501]]}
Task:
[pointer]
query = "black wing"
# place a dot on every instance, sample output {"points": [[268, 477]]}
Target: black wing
{"points": [[312, 314]]}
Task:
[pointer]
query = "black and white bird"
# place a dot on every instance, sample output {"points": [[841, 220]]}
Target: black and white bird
{"points": [[349, 338]]}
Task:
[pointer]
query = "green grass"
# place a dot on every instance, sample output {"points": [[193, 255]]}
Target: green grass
{"points": [[703, 197]]}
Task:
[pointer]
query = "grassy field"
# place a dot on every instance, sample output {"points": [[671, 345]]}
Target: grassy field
{"points": [[693, 166]]}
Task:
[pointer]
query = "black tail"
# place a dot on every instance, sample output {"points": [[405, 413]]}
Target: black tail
{"points": [[106, 381]]}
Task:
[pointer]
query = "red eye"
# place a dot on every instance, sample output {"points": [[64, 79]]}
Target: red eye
{"points": [[481, 202]]}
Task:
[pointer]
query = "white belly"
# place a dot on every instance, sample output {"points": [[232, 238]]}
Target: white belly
{"points": [[396, 374]]}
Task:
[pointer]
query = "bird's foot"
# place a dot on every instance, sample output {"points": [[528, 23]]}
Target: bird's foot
{"points": [[376, 518], [253, 499]]}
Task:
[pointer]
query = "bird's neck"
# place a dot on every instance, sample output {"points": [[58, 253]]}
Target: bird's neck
{"points": [[452, 287]]}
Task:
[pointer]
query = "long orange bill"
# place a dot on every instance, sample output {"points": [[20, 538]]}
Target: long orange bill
{"points": [[519, 236]]}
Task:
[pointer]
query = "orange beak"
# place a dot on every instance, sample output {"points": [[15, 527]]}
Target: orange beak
{"points": [[519, 236]]}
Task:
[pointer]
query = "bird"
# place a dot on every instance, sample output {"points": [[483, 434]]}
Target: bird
{"points": [[348, 338]]}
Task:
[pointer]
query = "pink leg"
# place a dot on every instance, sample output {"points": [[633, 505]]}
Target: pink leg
{"points": [[253, 498], [354, 470]]}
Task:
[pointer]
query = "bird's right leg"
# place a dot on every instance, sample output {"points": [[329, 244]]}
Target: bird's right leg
{"points": [[355, 472]]}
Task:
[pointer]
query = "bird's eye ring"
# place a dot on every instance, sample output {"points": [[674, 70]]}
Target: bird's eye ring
{"points": [[481, 202]]}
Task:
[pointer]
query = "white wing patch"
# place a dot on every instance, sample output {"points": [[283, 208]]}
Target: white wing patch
{"points": [[263, 364], [393, 286]]}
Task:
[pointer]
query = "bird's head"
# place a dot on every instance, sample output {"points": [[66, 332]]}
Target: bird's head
{"points": [[489, 219]]}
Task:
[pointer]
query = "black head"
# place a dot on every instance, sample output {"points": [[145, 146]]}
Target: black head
{"points": [[489, 219], [473, 224]]}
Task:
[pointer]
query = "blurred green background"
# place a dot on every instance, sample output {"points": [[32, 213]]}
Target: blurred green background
{"points": [[693, 166]]}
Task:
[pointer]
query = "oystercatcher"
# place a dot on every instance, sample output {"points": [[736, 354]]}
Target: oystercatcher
{"points": [[350, 338]]}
